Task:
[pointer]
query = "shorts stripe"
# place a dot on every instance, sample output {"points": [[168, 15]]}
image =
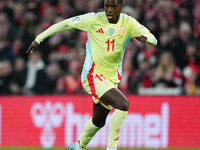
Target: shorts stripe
{"points": [[119, 77], [91, 82]]}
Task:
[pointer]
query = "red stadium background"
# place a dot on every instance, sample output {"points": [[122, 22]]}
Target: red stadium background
{"points": [[56, 121]]}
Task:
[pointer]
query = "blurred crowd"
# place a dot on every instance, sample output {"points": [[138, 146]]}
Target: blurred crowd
{"points": [[56, 66]]}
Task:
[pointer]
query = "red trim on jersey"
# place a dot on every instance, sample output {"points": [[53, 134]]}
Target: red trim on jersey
{"points": [[91, 82], [86, 40], [119, 77]]}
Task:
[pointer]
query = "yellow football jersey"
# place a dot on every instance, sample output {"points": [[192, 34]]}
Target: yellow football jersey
{"points": [[106, 42]]}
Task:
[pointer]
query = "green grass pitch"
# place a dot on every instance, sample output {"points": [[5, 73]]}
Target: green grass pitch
{"points": [[5, 148]]}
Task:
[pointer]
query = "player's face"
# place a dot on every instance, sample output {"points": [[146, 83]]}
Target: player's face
{"points": [[112, 9]]}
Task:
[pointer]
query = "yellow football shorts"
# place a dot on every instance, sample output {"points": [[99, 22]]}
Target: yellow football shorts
{"points": [[96, 85]]}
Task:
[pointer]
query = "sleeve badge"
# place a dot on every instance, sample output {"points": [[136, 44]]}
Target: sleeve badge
{"points": [[76, 20]]}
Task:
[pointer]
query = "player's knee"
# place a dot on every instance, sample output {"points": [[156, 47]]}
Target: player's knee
{"points": [[99, 122], [124, 105]]}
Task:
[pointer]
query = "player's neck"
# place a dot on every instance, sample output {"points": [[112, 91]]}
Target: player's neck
{"points": [[115, 21]]}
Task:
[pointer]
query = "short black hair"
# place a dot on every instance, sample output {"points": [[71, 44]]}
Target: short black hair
{"points": [[119, 1]]}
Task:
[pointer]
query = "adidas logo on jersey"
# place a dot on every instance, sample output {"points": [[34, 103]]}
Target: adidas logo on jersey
{"points": [[100, 30]]}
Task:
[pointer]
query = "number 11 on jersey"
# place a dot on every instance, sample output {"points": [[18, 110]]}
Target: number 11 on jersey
{"points": [[108, 42]]}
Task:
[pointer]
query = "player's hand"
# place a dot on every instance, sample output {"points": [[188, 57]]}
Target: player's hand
{"points": [[32, 47], [141, 38]]}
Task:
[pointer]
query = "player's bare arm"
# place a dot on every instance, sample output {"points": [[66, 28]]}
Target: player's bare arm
{"points": [[141, 38], [34, 45], [147, 38]]}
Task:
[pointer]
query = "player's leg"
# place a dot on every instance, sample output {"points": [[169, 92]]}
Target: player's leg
{"points": [[116, 99], [100, 114], [94, 124], [109, 97], [97, 121]]}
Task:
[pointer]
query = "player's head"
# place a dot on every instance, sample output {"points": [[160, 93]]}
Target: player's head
{"points": [[112, 9]]}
